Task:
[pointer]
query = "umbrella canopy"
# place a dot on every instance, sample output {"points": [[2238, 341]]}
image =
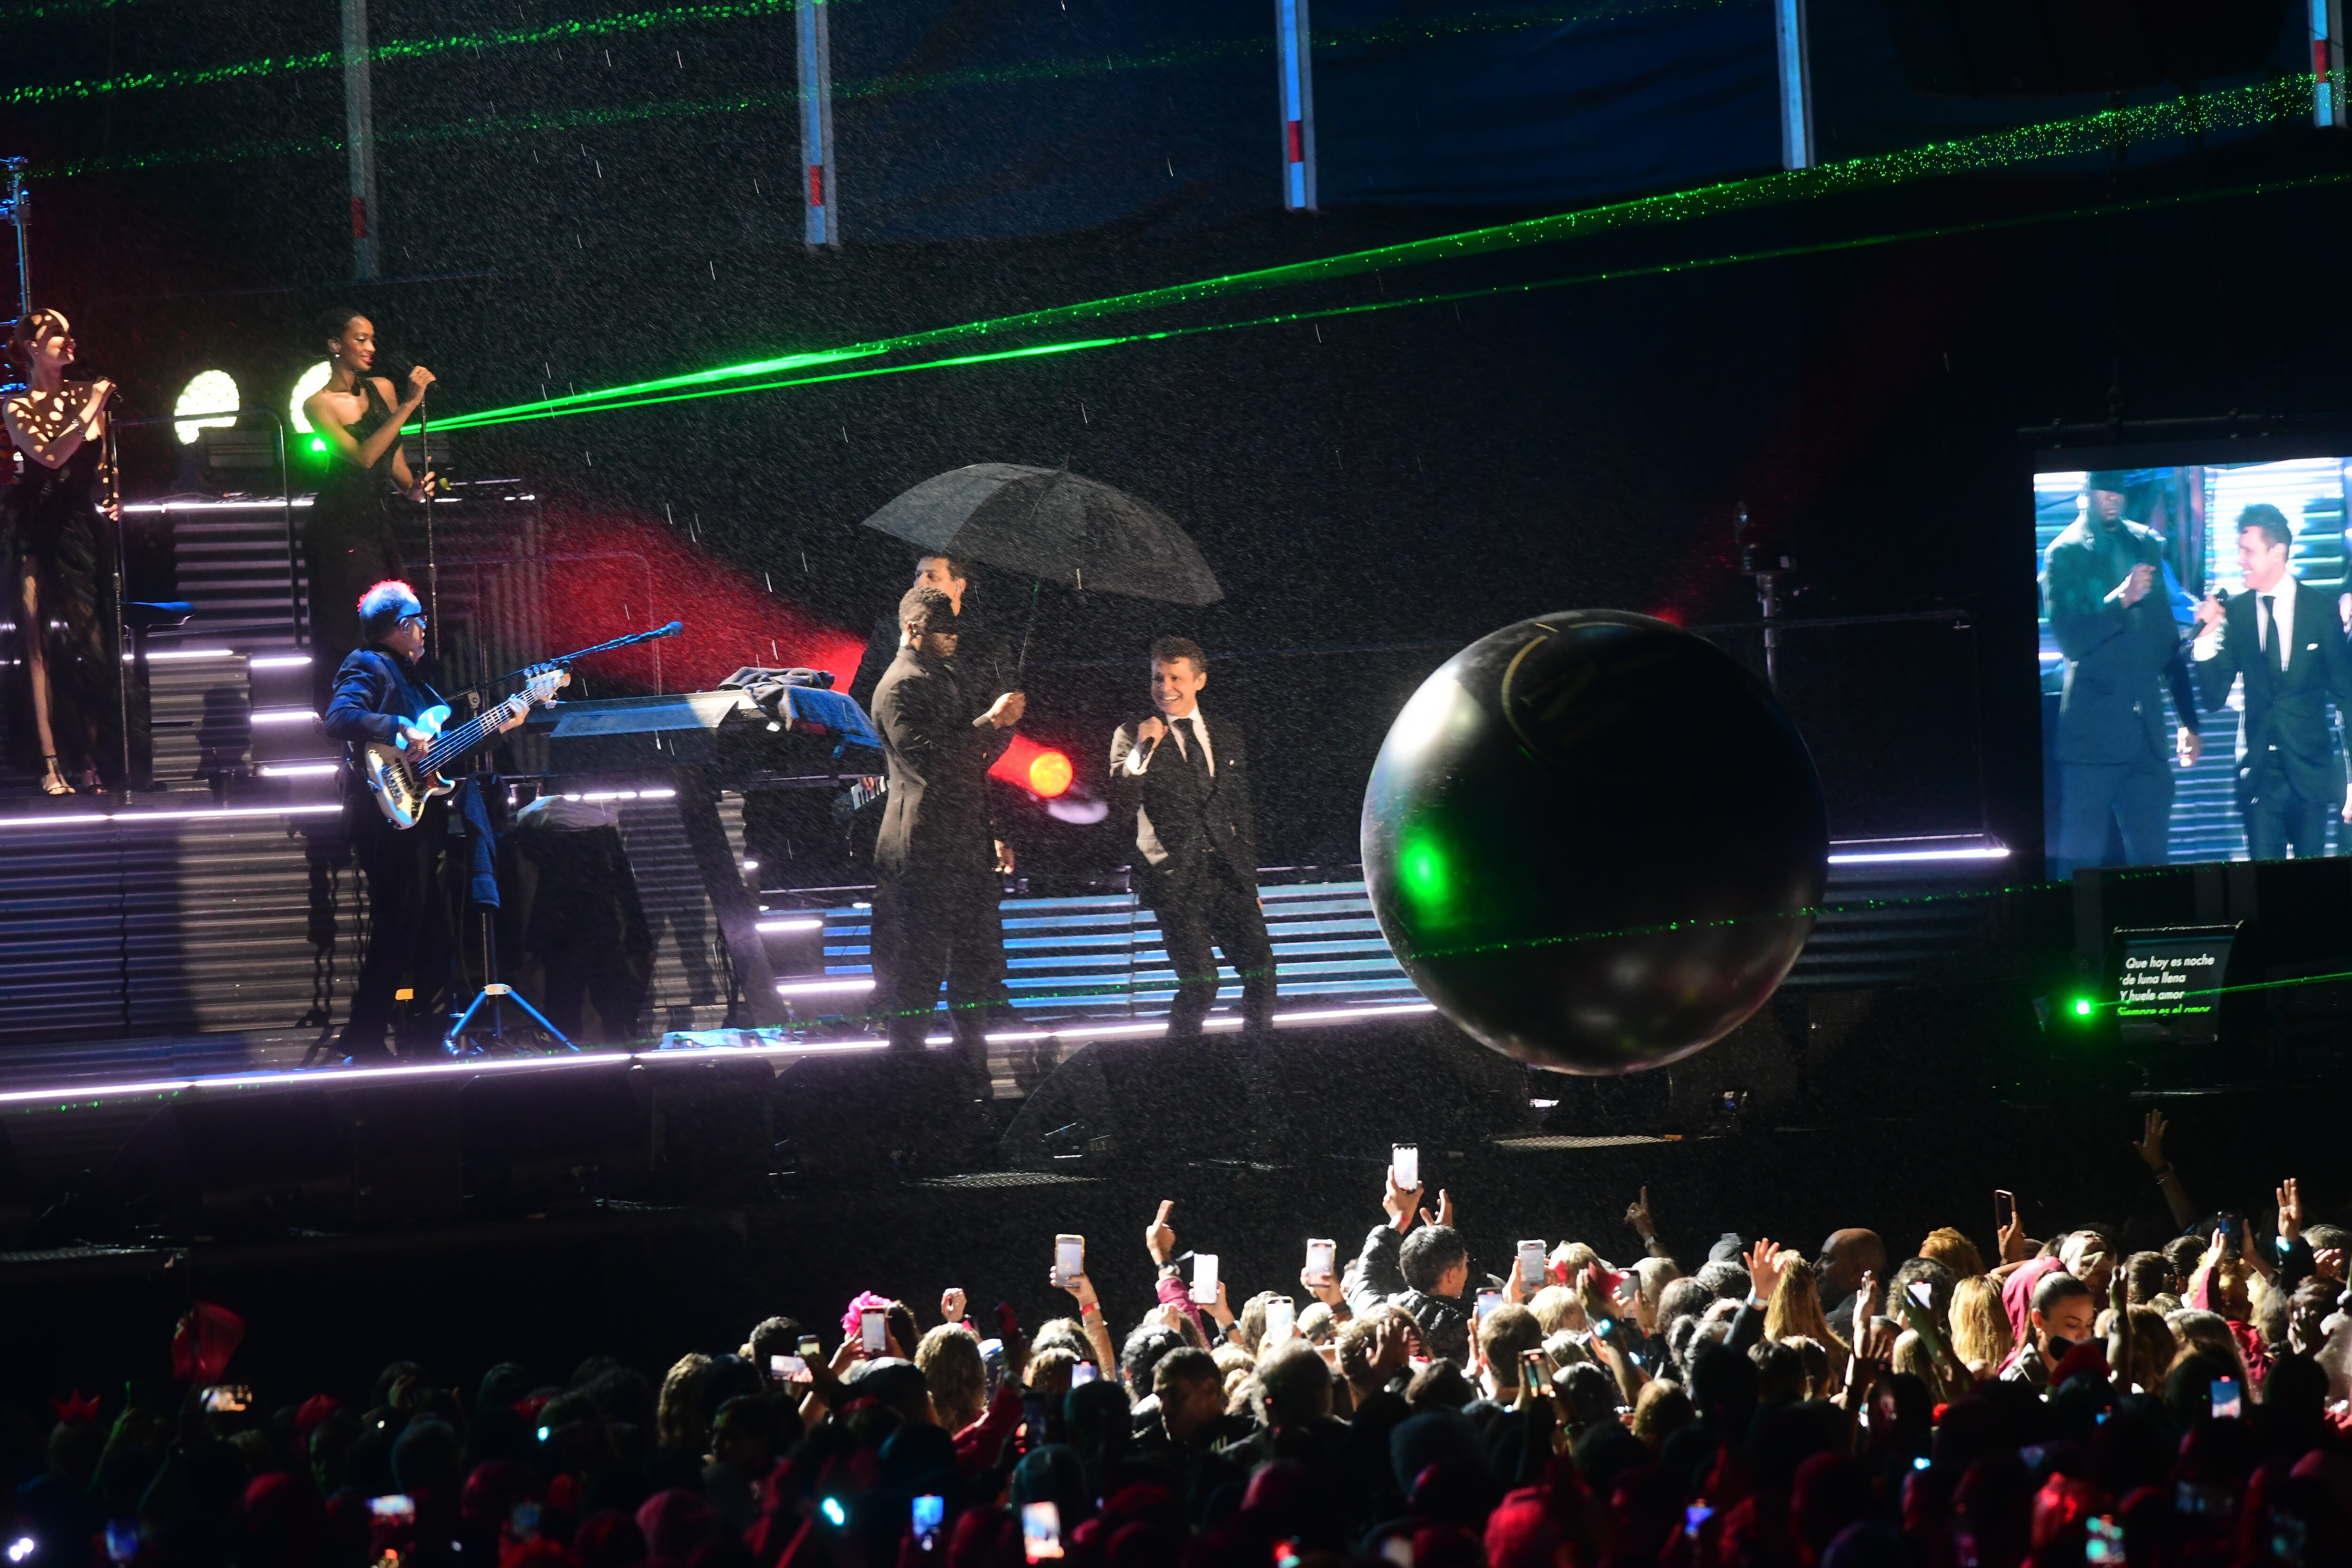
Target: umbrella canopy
{"points": [[1056, 526]]}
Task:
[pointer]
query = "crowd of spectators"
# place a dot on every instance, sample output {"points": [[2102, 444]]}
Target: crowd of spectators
{"points": [[2061, 1401]]}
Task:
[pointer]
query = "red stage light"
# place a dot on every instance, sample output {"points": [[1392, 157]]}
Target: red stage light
{"points": [[600, 575], [1040, 770]]}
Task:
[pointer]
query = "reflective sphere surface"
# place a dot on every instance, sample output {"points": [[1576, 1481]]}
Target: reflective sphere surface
{"points": [[1595, 841]]}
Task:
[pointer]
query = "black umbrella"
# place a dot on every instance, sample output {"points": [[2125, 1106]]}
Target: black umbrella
{"points": [[1054, 526]]}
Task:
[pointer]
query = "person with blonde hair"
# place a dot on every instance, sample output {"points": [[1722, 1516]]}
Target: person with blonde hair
{"points": [[1795, 1313], [1981, 1334], [952, 1364], [1557, 1307], [1954, 1250]]}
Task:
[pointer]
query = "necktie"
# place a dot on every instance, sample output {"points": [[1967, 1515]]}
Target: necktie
{"points": [[2271, 627], [1194, 757]]}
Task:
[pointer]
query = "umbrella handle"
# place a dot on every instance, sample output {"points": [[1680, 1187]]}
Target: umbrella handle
{"points": [[1021, 665]]}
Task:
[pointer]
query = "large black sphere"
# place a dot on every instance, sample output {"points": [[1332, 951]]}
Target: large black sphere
{"points": [[1594, 841]]}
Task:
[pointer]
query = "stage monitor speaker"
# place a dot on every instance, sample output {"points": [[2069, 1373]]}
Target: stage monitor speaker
{"points": [[16, 1208], [711, 1138], [1346, 1089], [870, 1115], [407, 1161], [238, 1166], [540, 1141], [1983, 48]]}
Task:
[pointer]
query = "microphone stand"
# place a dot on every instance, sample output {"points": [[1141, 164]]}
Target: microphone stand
{"points": [[567, 660], [432, 560]]}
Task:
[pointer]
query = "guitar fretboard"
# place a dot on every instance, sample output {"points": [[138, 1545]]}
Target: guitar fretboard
{"points": [[455, 743]]}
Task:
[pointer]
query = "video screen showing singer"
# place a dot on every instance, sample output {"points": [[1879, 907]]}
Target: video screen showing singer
{"points": [[352, 539], [2194, 661]]}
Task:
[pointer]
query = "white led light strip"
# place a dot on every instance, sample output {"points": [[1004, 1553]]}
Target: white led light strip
{"points": [[331, 1077]]}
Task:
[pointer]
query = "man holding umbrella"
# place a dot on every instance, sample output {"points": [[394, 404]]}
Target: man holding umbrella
{"points": [[937, 860]]}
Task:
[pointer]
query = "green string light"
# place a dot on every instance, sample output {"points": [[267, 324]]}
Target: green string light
{"points": [[894, 85], [1438, 30], [2256, 104], [549, 410], [402, 50]]}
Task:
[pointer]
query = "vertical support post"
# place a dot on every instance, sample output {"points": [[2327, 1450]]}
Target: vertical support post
{"points": [[1296, 64], [358, 142], [1796, 85], [18, 215], [816, 123], [2327, 107]]}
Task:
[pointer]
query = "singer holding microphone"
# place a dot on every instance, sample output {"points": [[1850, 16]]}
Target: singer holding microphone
{"points": [[351, 541], [1187, 783], [60, 557]]}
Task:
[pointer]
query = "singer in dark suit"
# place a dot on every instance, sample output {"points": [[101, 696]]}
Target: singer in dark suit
{"points": [[2102, 582], [1185, 782], [937, 860], [2288, 643]]}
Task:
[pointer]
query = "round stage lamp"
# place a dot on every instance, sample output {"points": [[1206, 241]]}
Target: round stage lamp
{"points": [[309, 382], [1595, 841], [1049, 773], [1040, 770], [209, 402]]}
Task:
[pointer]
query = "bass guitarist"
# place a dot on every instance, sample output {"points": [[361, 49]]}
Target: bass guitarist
{"points": [[378, 696]]}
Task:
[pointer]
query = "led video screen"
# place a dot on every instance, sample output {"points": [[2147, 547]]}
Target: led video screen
{"points": [[2196, 654]]}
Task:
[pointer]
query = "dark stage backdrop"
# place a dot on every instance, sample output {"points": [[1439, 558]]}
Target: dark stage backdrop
{"points": [[599, 207]]}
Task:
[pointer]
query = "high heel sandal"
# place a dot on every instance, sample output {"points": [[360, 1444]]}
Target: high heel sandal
{"points": [[53, 782]]}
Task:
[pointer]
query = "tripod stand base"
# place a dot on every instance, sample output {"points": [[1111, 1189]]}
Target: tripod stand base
{"points": [[495, 993]]}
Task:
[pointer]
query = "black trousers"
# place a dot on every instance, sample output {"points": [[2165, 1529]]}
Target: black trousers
{"points": [[934, 925], [2134, 797], [408, 923], [2278, 819], [1213, 905]]}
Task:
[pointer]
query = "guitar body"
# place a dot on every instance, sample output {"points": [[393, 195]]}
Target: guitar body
{"points": [[403, 781]]}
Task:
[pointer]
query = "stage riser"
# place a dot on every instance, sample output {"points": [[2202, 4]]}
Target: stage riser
{"points": [[111, 932]]}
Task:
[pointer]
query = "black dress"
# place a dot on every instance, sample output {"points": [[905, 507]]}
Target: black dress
{"points": [[53, 528], [349, 543]]}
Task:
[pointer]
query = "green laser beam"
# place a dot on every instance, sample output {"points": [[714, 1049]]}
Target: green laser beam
{"points": [[402, 49], [2255, 104], [42, 10], [892, 85], [2144, 203], [2086, 1006]]}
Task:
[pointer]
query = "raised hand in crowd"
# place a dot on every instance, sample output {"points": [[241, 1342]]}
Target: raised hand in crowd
{"points": [[1766, 1260], [2015, 1246], [951, 1305], [1401, 1202], [2150, 1149], [1159, 1236]]}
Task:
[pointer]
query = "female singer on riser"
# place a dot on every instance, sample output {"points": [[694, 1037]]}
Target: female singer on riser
{"points": [[59, 554], [349, 540]]}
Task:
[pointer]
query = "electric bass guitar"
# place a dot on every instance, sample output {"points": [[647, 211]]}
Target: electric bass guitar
{"points": [[403, 779]]}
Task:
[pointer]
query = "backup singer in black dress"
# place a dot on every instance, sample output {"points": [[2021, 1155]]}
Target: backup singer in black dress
{"points": [[61, 556], [350, 541]]}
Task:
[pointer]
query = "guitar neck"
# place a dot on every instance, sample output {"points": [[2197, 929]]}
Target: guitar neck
{"points": [[457, 742]]}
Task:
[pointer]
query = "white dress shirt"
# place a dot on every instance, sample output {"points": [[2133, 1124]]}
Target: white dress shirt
{"points": [[1138, 762], [2273, 633]]}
